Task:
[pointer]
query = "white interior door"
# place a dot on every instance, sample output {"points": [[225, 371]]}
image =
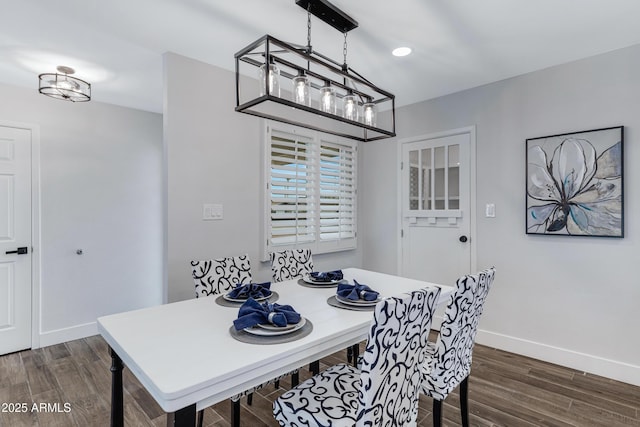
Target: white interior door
{"points": [[15, 239], [436, 220]]}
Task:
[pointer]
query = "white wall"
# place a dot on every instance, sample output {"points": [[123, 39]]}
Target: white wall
{"points": [[572, 301], [101, 187], [213, 155]]}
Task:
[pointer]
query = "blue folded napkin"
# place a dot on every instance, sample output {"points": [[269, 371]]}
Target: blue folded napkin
{"points": [[252, 313], [326, 276], [250, 290], [356, 292]]}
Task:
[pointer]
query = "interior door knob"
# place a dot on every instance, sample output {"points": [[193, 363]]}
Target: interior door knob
{"points": [[20, 251], [463, 239]]}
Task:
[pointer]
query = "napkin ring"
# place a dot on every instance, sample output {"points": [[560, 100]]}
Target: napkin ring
{"points": [[271, 316], [363, 294]]}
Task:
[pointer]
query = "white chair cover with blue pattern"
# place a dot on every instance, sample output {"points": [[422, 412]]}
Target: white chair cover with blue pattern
{"points": [[385, 392], [291, 264], [448, 362], [217, 276]]}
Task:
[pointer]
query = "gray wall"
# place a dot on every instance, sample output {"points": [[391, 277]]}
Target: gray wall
{"points": [[213, 155], [101, 187], [572, 301]]}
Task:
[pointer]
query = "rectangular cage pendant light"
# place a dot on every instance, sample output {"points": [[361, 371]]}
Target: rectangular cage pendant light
{"points": [[291, 84]]}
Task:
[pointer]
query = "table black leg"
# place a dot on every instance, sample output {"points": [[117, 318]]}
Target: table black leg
{"points": [[117, 413], [185, 417], [355, 352], [235, 413]]}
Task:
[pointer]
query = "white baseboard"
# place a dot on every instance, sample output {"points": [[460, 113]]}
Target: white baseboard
{"points": [[67, 334], [613, 369]]}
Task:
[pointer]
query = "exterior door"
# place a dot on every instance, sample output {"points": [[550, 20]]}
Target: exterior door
{"points": [[15, 239], [436, 201]]}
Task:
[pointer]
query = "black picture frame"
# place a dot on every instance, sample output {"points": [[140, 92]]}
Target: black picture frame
{"points": [[575, 185]]}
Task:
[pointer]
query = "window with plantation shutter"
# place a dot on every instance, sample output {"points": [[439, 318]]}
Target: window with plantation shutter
{"points": [[337, 191], [310, 199]]}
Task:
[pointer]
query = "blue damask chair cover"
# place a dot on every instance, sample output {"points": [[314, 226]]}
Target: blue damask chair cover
{"points": [[291, 264], [385, 391], [448, 362], [217, 276]]}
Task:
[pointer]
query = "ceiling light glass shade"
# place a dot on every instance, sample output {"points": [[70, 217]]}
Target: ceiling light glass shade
{"points": [[270, 79], [64, 87], [369, 114], [401, 51], [326, 86], [350, 107], [301, 90], [328, 99]]}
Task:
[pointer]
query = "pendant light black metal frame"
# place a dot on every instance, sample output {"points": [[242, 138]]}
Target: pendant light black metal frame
{"points": [[292, 60]]}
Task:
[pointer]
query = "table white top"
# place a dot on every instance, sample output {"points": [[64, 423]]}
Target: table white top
{"points": [[183, 353]]}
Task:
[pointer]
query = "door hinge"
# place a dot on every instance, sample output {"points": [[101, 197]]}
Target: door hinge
{"points": [[401, 233], [401, 165]]}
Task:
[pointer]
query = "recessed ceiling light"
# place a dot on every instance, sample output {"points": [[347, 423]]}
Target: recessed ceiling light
{"points": [[401, 51]]}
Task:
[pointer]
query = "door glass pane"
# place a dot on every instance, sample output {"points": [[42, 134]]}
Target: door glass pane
{"points": [[439, 178], [414, 180], [426, 178], [454, 176]]}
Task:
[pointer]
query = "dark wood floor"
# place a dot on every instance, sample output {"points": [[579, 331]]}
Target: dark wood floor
{"points": [[504, 390]]}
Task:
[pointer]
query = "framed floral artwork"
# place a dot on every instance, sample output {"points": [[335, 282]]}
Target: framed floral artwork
{"points": [[575, 184]]}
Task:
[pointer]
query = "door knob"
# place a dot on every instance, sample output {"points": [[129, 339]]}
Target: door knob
{"points": [[463, 239], [20, 251]]}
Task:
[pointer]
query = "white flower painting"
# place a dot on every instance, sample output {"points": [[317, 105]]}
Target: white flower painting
{"points": [[574, 184]]}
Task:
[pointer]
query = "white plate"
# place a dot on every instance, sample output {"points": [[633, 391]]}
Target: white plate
{"points": [[271, 330], [308, 279], [360, 302], [228, 298]]}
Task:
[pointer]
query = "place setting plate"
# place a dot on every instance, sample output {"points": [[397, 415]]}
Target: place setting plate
{"points": [[359, 305], [358, 302], [226, 301], [271, 334], [309, 281], [269, 330]]}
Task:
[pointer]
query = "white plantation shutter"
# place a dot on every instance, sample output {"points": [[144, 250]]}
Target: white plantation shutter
{"points": [[292, 218], [311, 191], [337, 192]]}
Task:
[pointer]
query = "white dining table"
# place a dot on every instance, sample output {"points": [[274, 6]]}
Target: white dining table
{"points": [[185, 356]]}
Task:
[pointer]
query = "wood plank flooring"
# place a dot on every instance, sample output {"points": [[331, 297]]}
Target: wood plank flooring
{"points": [[504, 390]]}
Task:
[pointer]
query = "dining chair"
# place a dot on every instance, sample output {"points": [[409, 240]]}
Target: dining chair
{"points": [[385, 391], [290, 264], [218, 276], [448, 360]]}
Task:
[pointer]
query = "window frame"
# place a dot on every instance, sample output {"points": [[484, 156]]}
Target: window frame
{"points": [[347, 174]]}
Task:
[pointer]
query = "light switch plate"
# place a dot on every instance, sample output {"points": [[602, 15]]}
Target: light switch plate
{"points": [[212, 212], [490, 210]]}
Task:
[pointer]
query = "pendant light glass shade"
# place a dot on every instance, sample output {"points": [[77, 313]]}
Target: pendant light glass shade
{"points": [[328, 99], [272, 77], [369, 114], [301, 90], [350, 107]]}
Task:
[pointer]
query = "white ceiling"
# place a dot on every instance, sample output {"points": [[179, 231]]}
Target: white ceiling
{"points": [[117, 45]]}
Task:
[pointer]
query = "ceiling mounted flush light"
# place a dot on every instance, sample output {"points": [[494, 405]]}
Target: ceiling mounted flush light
{"points": [[300, 86], [63, 85], [401, 51]]}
